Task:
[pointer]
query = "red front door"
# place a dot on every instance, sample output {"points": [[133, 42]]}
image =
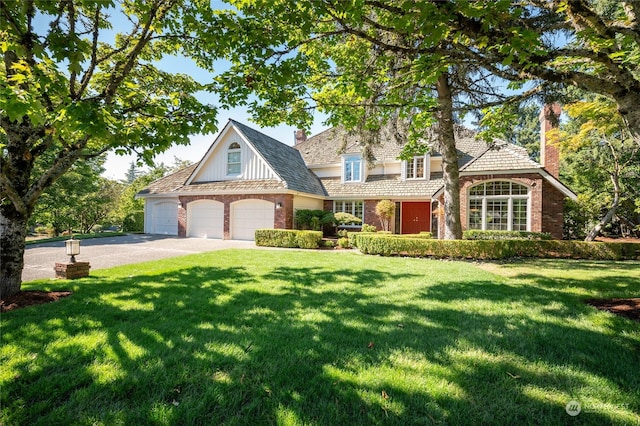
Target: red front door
{"points": [[416, 217]]}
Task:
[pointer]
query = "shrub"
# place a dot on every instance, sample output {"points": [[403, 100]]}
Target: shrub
{"points": [[342, 233], [344, 242], [312, 219], [368, 228], [328, 243], [385, 209], [476, 234], [343, 218], [308, 239], [134, 222], [288, 238], [495, 249]]}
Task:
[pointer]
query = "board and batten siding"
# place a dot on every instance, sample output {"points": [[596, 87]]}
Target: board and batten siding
{"points": [[253, 166]]}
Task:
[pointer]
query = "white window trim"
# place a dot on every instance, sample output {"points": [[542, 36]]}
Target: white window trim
{"points": [[344, 168], [427, 167], [234, 150], [352, 211], [509, 199]]}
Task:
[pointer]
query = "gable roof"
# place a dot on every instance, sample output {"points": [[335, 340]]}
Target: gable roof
{"points": [[285, 162]]}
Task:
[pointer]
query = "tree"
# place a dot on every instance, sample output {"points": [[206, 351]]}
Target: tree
{"points": [[603, 163], [59, 204], [592, 45], [377, 68], [70, 91], [385, 209], [132, 173]]}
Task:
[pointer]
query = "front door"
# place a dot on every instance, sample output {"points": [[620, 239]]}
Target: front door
{"points": [[416, 217]]}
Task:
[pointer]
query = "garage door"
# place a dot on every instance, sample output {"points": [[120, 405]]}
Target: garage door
{"points": [[249, 215], [205, 219], [165, 218]]}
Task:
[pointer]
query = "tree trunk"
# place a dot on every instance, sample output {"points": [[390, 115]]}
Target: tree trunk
{"points": [[609, 215], [13, 231], [446, 136], [628, 108]]}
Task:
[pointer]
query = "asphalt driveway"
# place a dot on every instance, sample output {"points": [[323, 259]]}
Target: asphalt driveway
{"points": [[102, 253]]}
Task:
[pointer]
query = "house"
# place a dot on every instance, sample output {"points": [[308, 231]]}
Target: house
{"points": [[247, 181]]}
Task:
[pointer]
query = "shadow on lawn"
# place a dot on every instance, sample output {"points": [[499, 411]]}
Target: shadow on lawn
{"points": [[200, 346]]}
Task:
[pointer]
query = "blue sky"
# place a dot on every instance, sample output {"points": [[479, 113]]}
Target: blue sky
{"points": [[116, 165]]}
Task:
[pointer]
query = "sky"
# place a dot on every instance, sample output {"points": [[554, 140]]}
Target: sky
{"points": [[116, 166]]}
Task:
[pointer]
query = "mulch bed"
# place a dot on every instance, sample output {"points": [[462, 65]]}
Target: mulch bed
{"points": [[629, 308], [29, 298]]}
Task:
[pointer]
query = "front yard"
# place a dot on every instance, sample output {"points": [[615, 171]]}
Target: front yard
{"points": [[294, 337]]}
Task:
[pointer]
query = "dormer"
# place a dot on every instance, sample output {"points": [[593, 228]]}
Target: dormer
{"points": [[417, 168], [353, 170]]}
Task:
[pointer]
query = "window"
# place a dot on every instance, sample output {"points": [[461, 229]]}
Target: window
{"points": [[233, 159], [353, 207], [417, 168], [499, 205], [352, 168]]}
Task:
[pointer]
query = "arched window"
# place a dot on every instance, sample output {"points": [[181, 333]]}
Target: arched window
{"points": [[233, 159], [499, 205]]}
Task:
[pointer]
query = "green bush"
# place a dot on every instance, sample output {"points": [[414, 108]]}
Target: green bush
{"points": [[368, 228], [344, 242], [328, 243], [308, 239], [476, 234], [312, 219], [288, 238], [134, 222], [495, 249]]}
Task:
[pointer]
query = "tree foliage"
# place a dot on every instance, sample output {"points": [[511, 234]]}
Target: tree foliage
{"points": [[602, 164], [71, 89]]}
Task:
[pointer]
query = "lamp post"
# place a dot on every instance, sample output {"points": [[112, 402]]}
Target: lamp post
{"points": [[73, 248], [72, 269]]}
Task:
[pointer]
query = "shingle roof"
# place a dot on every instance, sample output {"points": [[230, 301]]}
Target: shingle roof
{"points": [[290, 164], [499, 157], [327, 147], [170, 183], [284, 160], [383, 186]]}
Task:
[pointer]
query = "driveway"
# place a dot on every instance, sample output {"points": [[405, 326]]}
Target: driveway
{"points": [[39, 259]]}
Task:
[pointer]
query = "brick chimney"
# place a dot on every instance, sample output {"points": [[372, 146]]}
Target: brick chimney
{"points": [[549, 154], [301, 136]]}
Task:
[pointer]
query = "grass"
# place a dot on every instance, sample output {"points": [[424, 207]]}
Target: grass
{"points": [[324, 338]]}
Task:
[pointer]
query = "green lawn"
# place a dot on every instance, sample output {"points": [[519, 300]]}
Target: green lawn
{"points": [[325, 338]]}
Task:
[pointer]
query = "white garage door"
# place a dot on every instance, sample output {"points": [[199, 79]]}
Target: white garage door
{"points": [[205, 219], [249, 215], [165, 218]]}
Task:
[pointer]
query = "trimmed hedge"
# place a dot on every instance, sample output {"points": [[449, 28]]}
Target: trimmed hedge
{"points": [[387, 245], [353, 236], [288, 238], [476, 234]]}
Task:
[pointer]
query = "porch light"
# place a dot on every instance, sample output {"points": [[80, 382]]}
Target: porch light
{"points": [[278, 205], [73, 248]]}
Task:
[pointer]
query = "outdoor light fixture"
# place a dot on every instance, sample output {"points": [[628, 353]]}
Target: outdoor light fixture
{"points": [[73, 248], [278, 205]]}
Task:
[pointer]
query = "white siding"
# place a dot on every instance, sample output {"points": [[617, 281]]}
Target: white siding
{"points": [[215, 169], [328, 171]]}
